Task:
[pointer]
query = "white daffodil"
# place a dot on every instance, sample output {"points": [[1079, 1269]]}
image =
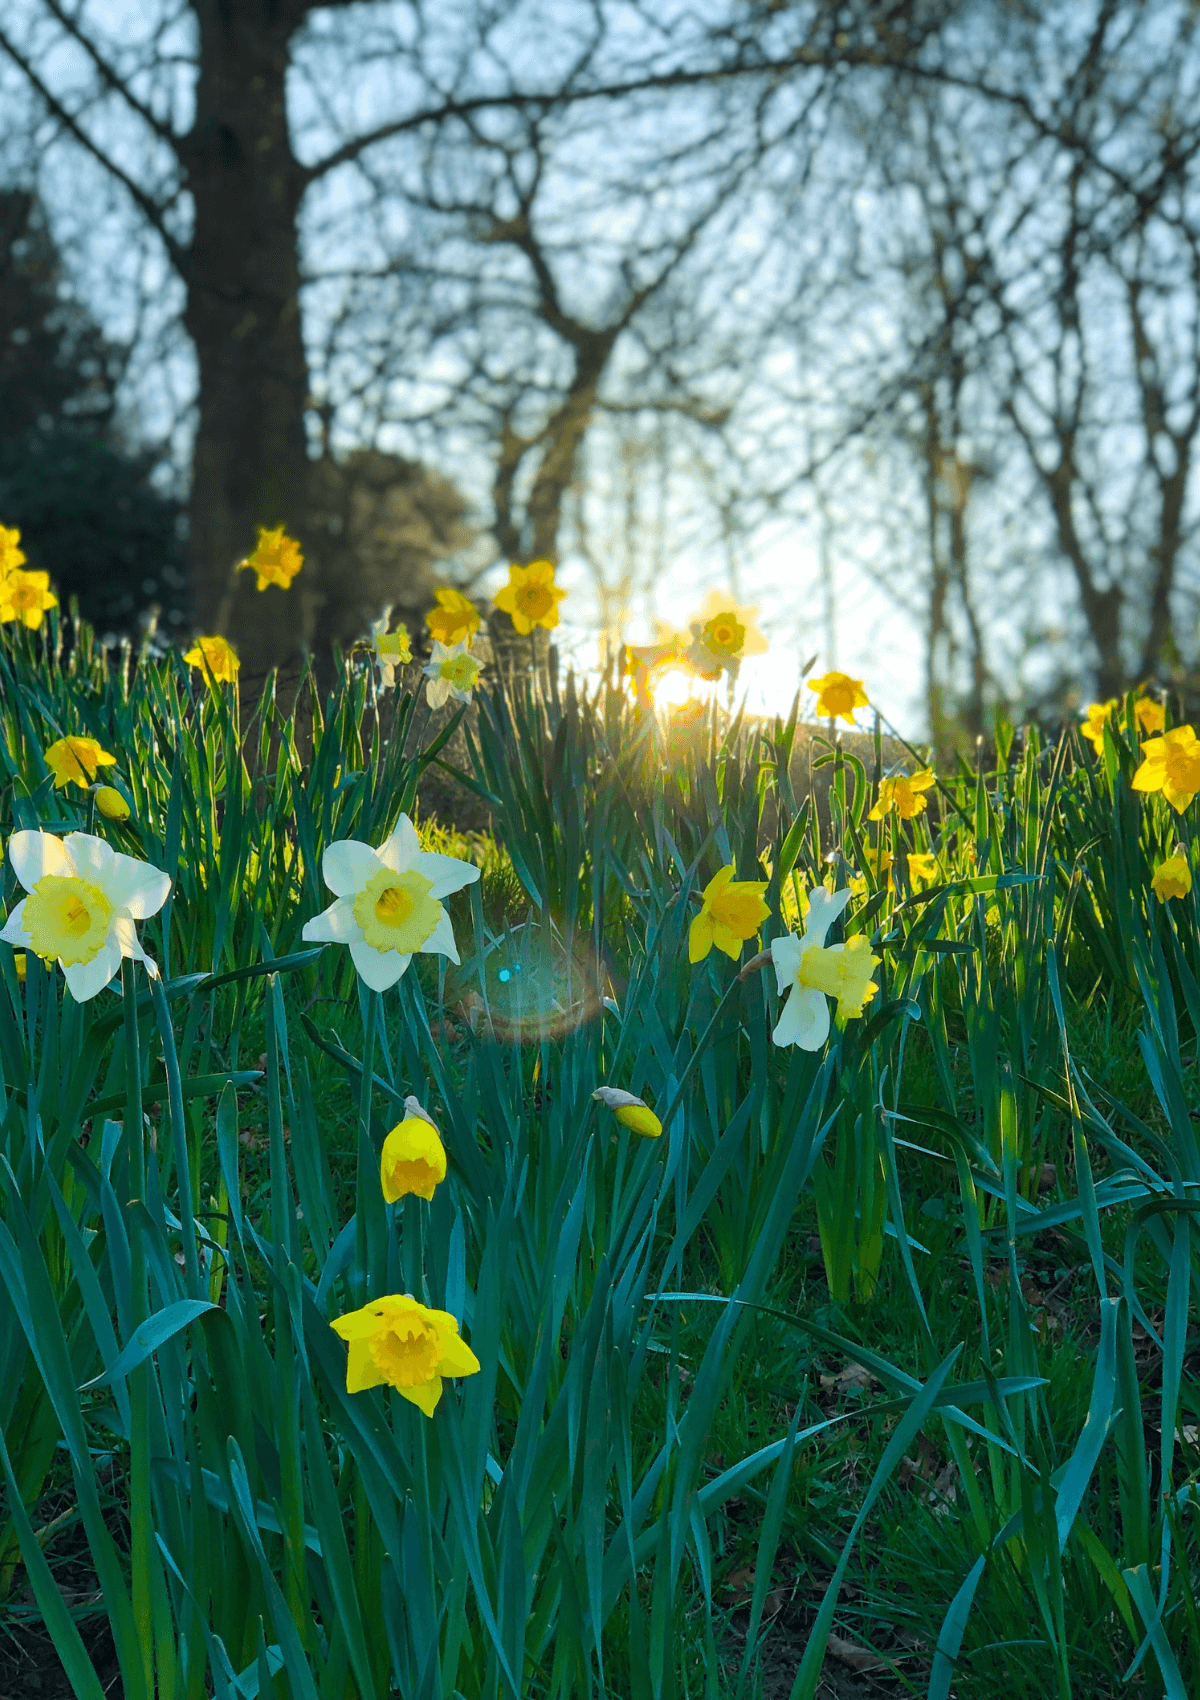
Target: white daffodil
{"points": [[387, 903], [389, 649], [452, 672], [84, 897], [810, 972]]}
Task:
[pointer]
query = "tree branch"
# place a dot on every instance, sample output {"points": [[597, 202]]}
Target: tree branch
{"points": [[110, 78], [146, 204]]}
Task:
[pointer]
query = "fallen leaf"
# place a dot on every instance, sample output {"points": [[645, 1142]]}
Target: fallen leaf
{"points": [[854, 1657], [850, 1379]]}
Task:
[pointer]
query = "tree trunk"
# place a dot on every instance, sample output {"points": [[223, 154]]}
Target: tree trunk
{"points": [[243, 314]]}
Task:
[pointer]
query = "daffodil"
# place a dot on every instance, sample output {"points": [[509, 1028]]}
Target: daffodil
{"points": [[838, 695], [275, 559], [214, 657], [390, 649], [810, 972], [84, 898], [388, 903], [453, 619], [904, 793], [531, 597], [451, 673], [1171, 764], [414, 1158], [1098, 716], [400, 1342], [12, 555], [732, 911], [922, 867], [73, 761], [633, 1113], [1172, 877], [723, 634], [1151, 716], [26, 597]]}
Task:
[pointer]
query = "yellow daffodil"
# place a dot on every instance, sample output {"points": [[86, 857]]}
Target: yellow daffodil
{"points": [[26, 597], [275, 559], [922, 867], [838, 695], [215, 658], [1151, 716], [531, 597], [633, 1113], [723, 634], [809, 971], [73, 761], [390, 649], [388, 903], [20, 963], [400, 1342], [451, 672], [1171, 764], [732, 912], [1172, 877], [904, 793], [111, 804], [454, 619], [12, 555], [1098, 716], [414, 1158], [84, 898]]}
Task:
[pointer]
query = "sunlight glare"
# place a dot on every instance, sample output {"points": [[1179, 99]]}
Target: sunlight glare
{"points": [[673, 688]]}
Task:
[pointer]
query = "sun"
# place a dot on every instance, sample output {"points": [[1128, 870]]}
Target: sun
{"points": [[673, 688]]}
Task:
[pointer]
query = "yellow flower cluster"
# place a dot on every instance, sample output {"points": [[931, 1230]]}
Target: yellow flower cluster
{"points": [[24, 596]]}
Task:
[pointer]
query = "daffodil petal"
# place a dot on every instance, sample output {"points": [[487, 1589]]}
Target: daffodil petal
{"points": [[425, 1395], [335, 925], [33, 854], [824, 907], [361, 1369], [13, 931], [401, 848], [347, 865], [457, 1357], [700, 937], [805, 1021], [91, 858], [444, 873], [136, 886], [378, 969], [441, 939], [785, 954], [85, 979]]}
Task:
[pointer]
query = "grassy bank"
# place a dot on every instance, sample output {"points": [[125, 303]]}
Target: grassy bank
{"points": [[877, 1369]]}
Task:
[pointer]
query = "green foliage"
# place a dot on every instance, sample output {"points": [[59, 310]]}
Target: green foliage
{"points": [[963, 1430], [88, 508]]}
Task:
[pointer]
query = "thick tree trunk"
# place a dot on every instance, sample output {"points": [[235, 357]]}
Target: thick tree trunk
{"points": [[243, 314]]}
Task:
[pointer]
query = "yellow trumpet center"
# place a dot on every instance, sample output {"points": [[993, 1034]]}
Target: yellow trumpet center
{"points": [[396, 912], [407, 1353], [534, 600], [840, 971], [68, 918]]}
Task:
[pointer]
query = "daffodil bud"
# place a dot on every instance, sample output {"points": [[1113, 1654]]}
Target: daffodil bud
{"points": [[631, 1112], [111, 804]]}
